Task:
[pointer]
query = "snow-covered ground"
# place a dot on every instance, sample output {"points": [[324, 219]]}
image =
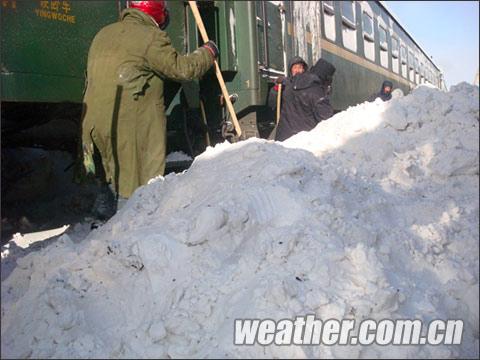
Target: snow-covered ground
{"points": [[373, 214]]}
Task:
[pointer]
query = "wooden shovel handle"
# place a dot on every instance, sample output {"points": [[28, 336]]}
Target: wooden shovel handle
{"points": [[279, 101], [203, 32]]}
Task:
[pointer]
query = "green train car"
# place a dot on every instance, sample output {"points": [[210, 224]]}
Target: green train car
{"points": [[45, 46]]}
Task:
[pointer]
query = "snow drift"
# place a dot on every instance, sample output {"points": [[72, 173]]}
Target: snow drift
{"points": [[373, 214]]}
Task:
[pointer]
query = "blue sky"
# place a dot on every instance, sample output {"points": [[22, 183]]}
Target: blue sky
{"points": [[446, 30]]}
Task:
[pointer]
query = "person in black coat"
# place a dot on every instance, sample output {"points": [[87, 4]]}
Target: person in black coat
{"points": [[385, 93], [306, 101], [296, 66]]}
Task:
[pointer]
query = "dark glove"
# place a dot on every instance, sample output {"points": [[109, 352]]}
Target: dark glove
{"points": [[280, 80], [212, 47]]}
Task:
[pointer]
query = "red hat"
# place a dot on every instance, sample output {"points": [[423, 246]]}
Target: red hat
{"points": [[155, 8]]}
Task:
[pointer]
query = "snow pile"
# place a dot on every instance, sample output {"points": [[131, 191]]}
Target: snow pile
{"points": [[373, 214]]}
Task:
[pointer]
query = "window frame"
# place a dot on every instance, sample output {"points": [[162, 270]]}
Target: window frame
{"points": [[411, 62], [403, 54], [395, 50], [346, 21], [329, 13], [328, 8], [368, 36], [261, 46], [383, 46]]}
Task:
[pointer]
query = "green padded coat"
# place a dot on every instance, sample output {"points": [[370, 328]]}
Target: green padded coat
{"points": [[124, 112]]}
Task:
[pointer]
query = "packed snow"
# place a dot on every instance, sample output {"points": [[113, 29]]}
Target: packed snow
{"points": [[373, 214], [178, 156]]}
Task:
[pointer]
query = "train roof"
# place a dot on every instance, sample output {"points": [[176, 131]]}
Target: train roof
{"points": [[395, 18]]}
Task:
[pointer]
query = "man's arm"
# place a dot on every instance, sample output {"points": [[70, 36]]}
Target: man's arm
{"points": [[322, 109], [164, 60]]}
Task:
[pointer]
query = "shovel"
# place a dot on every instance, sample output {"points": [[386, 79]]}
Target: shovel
{"points": [[203, 32]]}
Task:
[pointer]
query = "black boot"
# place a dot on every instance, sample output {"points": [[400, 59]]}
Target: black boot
{"points": [[105, 205]]}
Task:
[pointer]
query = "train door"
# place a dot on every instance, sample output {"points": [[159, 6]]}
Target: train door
{"points": [[272, 44], [270, 17]]}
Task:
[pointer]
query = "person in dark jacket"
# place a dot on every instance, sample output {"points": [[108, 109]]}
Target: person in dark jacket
{"points": [[385, 93], [306, 101], [296, 66]]}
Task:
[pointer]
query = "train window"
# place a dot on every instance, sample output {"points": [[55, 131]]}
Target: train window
{"points": [[329, 20], [349, 32], [410, 59], [395, 60], [367, 27], [394, 47], [368, 36], [411, 66], [274, 37], [328, 7], [403, 54], [403, 58], [260, 34], [417, 71], [382, 33], [348, 13]]}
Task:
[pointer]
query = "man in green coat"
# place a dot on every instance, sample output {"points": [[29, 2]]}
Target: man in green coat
{"points": [[124, 122]]}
